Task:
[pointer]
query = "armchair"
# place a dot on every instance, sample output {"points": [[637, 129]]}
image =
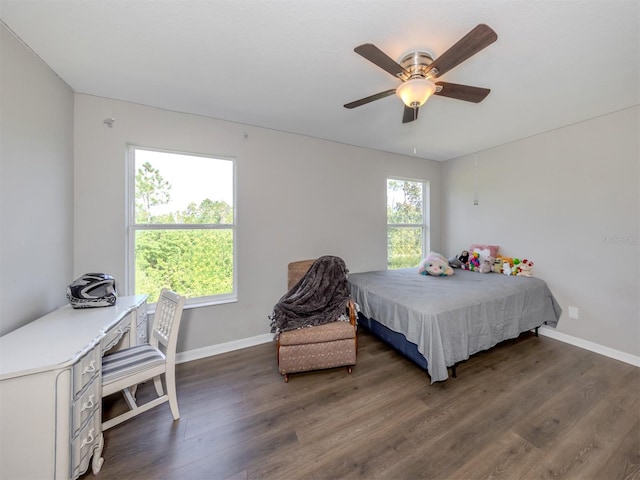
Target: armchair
{"points": [[332, 344]]}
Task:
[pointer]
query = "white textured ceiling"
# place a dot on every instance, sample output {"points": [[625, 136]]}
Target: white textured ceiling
{"points": [[289, 65]]}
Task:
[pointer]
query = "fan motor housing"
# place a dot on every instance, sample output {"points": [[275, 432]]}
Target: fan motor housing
{"points": [[417, 64]]}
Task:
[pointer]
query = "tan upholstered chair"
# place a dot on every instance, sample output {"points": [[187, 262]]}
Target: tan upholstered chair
{"points": [[330, 345]]}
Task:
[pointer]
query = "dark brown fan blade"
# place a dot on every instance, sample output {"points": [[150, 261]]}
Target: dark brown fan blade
{"points": [[381, 59], [371, 98], [409, 115], [480, 37], [461, 92]]}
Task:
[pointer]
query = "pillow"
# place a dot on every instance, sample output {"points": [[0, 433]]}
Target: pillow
{"points": [[493, 249], [482, 255]]}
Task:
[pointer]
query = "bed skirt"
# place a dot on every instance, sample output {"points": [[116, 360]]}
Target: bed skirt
{"points": [[396, 340]]}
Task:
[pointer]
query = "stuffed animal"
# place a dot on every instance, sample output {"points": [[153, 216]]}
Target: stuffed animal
{"points": [[508, 260], [454, 262], [516, 266], [436, 265], [525, 268], [506, 268], [463, 260], [486, 265], [497, 265], [474, 261]]}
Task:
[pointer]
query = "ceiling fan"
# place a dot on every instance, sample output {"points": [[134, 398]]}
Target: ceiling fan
{"points": [[417, 70]]}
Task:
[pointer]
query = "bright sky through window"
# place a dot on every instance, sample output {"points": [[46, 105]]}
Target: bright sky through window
{"points": [[212, 181]]}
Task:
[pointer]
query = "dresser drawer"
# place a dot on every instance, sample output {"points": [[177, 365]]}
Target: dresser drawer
{"points": [[85, 405], [85, 369], [113, 336], [83, 445]]}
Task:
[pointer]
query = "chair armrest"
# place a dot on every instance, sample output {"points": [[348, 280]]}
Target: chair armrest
{"points": [[352, 312]]}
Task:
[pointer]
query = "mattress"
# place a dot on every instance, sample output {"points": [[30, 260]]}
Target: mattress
{"points": [[451, 318]]}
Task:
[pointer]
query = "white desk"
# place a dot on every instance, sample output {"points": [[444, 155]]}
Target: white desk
{"points": [[50, 388]]}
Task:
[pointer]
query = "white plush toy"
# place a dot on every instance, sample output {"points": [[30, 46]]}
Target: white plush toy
{"points": [[506, 268], [436, 265], [525, 268]]}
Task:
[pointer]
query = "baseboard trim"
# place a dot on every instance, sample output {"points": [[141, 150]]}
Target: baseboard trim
{"points": [[593, 347], [211, 350]]}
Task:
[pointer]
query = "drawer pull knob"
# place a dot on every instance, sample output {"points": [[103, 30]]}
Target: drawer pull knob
{"points": [[90, 368], [89, 404], [89, 440]]}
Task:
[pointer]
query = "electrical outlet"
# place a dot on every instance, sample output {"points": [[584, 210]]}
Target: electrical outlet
{"points": [[573, 312]]}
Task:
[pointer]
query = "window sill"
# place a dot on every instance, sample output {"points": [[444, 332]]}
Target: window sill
{"points": [[197, 303]]}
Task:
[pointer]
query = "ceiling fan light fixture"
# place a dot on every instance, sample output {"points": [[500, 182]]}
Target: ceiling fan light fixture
{"points": [[416, 91]]}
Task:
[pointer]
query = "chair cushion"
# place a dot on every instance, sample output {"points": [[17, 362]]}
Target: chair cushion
{"points": [[315, 356], [328, 332], [129, 361]]}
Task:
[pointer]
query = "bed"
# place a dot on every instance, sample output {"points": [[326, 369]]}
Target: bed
{"points": [[440, 321]]}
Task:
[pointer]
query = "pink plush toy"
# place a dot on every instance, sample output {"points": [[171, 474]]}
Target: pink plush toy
{"points": [[436, 265]]}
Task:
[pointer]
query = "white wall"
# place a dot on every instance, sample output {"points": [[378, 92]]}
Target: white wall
{"points": [[36, 186], [298, 197], [568, 200]]}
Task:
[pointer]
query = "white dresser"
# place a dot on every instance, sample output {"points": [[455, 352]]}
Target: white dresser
{"points": [[50, 388]]}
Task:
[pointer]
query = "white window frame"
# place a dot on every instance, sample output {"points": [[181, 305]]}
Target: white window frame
{"points": [[426, 202], [132, 227]]}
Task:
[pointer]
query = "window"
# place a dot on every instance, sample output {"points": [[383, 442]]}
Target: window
{"points": [[407, 238], [182, 230]]}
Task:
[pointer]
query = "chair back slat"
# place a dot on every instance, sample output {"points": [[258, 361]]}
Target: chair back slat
{"points": [[166, 320]]}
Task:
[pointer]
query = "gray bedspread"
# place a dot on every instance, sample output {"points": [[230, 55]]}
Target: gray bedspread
{"points": [[451, 318]]}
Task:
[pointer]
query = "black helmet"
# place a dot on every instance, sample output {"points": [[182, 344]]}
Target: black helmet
{"points": [[92, 290]]}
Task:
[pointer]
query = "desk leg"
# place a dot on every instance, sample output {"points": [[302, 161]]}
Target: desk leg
{"points": [[97, 461]]}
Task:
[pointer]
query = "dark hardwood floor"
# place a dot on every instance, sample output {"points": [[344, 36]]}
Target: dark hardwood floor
{"points": [[528, 408]]}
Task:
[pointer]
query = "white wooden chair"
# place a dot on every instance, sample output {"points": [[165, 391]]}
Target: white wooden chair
{"points": [[125, 369]]}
